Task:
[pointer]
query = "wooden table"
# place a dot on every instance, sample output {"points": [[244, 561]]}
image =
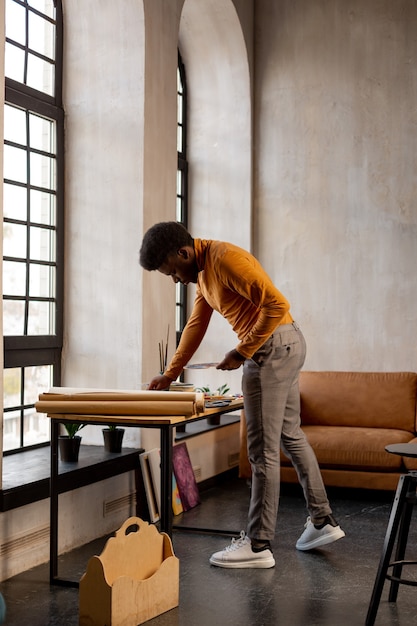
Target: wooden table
{"points": [[403, 449], [165, 424]]}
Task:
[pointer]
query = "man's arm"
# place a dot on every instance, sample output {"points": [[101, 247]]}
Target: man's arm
{"points": [[191, 337]]}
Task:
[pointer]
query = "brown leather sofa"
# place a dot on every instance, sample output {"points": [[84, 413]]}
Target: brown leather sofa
{"points": [[349, 418]]}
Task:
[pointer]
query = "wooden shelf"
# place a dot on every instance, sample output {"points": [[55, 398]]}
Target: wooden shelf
{"points": [[26, 474]]}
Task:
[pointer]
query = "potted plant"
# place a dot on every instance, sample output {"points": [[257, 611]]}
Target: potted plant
{"points": [[113, 437], [214, 420], [69, 444]]}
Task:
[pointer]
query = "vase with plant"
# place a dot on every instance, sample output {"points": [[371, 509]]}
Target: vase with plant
{"points": [[69, 444], [113, 437], [220, 392]]}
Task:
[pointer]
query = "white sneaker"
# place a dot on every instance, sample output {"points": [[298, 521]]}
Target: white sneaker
{"points": [[315, 536], [239, 554]]}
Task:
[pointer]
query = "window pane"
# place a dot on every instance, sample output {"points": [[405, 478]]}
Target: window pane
{"points": [[179, 108], [41, 133], [41, 318], [14, 63], [13, 317], [14, 125], [41, 35], [42, 207], [43, 6], [15, 164], [11, 430], [38, 379], [14, 240], [12, 387], [40, 74], [35, 427], [179, 216], [42, 244], [14, 278], [14, 202], [42, 281], [15, 22], [179, 138], [42, 171], [178, 314]]}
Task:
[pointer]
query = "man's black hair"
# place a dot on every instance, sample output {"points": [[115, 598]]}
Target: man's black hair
{"points": [[160, 241]]}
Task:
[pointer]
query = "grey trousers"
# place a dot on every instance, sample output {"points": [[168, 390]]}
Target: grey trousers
{"points": [[272, 408]]}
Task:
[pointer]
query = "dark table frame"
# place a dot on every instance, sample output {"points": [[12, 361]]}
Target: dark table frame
{"points": [[165, 424]]}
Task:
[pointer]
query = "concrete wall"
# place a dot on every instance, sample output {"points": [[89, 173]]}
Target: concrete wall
{"points": [[335, 184], [104, 72], [217, 54]]}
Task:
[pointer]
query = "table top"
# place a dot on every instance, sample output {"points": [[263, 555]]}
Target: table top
{"points": [[147, 420], [404, 449]]}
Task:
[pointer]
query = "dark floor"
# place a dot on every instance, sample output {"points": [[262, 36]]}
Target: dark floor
{"points": [[328, 587]]}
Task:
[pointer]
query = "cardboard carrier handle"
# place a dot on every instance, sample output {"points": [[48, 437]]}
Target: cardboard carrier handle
{"points": [[131, 525]]}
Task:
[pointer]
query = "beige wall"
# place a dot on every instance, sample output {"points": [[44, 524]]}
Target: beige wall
{"points": [[217, 54], [335, 183], [104, 106]]}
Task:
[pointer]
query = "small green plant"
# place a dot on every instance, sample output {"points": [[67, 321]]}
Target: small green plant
{"points": [[220, 391], [73, 428]]}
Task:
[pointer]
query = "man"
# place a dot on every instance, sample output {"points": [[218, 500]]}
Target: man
{"points": [[271, 349]]}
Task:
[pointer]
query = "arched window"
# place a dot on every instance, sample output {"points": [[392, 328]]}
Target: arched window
{"points": [[182, 186], [33, 216]]}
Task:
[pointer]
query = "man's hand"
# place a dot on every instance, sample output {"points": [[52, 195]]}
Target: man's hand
{"points": [[232, 361], [159, 383]]}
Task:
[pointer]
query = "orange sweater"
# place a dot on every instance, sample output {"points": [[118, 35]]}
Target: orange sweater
{"points": [[232, 282]]}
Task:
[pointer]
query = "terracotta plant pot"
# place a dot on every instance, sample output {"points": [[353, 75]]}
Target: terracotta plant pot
{"points": [[69, 448], [113, 439]]}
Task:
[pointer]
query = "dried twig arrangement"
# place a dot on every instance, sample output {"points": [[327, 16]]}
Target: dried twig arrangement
{"points": [[163, 354]]}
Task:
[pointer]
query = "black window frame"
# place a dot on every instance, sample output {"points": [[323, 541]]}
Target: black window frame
{"points": [[182, 188], [22, 351]]}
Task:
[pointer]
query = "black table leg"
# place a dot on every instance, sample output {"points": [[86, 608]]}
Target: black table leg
{"points": [[402, 540], [166, 478], [53, 536], [54, 516], [390, 536]]}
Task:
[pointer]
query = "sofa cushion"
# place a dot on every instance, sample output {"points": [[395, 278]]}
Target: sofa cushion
{"points": [[350, 447], [372, 399]]}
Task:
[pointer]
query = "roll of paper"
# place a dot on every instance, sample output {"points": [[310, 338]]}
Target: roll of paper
{"points": [[124, 407]]}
